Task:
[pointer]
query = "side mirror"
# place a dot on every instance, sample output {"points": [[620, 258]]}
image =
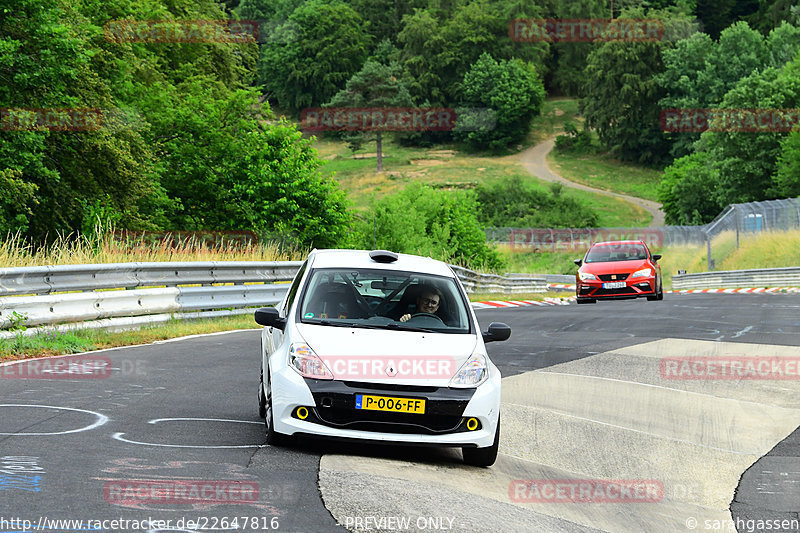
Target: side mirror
{"points": [[656, 257], [497, 332], [268, 316], [578, 262]]}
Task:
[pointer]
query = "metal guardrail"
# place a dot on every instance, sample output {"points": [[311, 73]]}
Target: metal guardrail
{"points": [[737, 279], [125, 295], [476, 282]]}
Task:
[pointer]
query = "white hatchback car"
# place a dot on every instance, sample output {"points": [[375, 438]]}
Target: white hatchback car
{"points": [[380, 347]]}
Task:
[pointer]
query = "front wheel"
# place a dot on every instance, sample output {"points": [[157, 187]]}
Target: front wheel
{"points": [[273, 437], [262, 400], [483, 456]]}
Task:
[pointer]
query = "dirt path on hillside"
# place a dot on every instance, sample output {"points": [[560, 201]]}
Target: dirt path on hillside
{"points": [[534, 159]]}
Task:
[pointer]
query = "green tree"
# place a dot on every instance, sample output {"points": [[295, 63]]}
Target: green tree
{"points": [[50, 58], [621, 99], [739, 52], [514, 203], [313, 54], [510, 90], [570, 58], [438, 48], [17, 200], [375, 85], [771, 13], [384, 17], [747, 161], [787, 176], [226, 166], [687, 190], [432, 222]]}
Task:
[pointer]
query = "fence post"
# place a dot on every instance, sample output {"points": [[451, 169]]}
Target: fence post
{"points": [[708, 252]]}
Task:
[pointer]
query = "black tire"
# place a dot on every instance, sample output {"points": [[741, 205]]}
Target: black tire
{"points": [[262, 400], [659, 295], [273, 437], [483, 456], [587, 301]]}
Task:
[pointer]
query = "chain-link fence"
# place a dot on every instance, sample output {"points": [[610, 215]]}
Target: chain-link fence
{"points": [[729, 226]]}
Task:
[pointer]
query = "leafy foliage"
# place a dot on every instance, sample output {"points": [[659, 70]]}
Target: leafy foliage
{"points": [[183, 143], [747, 161], [313, 54], [509, 89], [687, 190], [430, 222], [621, 99], [515, 204], [375, 85], [787, 176], [574, 140]]}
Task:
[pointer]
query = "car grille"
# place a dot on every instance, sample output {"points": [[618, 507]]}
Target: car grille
{"points": [[617, 277], [389, 386], [388, 422], [623, 290], [334, 406]]}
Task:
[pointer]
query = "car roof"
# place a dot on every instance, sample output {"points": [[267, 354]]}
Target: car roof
{"points": [[362, 259]]}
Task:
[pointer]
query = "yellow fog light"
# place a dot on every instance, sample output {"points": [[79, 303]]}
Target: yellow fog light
{"points": [[472, 424], [302, 413]]}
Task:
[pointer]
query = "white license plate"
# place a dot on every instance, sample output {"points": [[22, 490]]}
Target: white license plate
{"points": [[614, 285]]}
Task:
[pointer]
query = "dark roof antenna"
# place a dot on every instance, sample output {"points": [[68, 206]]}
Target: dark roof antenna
{"points": [[383, 256]]}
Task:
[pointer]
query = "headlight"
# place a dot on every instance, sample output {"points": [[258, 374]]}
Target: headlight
{"points": [[472, 373], [585, 276], [306, 363], [645, 272]]}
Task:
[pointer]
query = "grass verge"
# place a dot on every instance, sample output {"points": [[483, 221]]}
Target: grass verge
{"points": [[601, 172], [84, 340]]}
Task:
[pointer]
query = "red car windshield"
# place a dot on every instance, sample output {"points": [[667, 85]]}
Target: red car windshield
{"points": [[616, 252]]}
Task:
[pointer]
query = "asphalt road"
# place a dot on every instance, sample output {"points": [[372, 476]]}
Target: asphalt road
{"points": [[178, 420]]}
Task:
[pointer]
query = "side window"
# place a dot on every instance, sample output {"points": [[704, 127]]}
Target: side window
{"points": [[293, 289]]}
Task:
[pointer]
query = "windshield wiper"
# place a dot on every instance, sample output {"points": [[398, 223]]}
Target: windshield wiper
{"points": [[324, 322], [391, 326]]}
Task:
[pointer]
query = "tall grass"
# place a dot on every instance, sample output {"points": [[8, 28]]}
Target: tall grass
{"points": [[102, 247], [762, 250], [777, 249]]}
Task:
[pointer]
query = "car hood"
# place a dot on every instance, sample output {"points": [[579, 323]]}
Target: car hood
{"points": [[616, 267], [407, 351]]}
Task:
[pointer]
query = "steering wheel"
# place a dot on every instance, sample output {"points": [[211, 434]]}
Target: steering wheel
{"points": [[429, 315]]}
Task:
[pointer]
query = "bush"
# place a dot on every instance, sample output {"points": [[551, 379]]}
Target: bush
{"points": [[516, 204], [575, 140], [425, 221]]}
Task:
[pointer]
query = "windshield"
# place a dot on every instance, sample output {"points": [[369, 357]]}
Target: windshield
{"points": [[615, 252], [384, 299]]}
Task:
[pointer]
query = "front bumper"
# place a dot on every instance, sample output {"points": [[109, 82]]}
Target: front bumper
{"points": [[332, 413], [634, 288]]}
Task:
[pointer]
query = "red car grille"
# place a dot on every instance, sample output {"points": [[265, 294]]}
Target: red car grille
{"points": [[613, 277], [623, 290]]}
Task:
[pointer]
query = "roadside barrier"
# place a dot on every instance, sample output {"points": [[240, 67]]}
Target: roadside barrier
{"points": [[130, 295], [735, 279]]}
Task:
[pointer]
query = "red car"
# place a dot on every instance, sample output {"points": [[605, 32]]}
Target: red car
{"points": [[618, 270]]}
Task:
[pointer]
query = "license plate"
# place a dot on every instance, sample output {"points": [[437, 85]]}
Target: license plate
{"points": [[614, 285], [387, 403]]}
